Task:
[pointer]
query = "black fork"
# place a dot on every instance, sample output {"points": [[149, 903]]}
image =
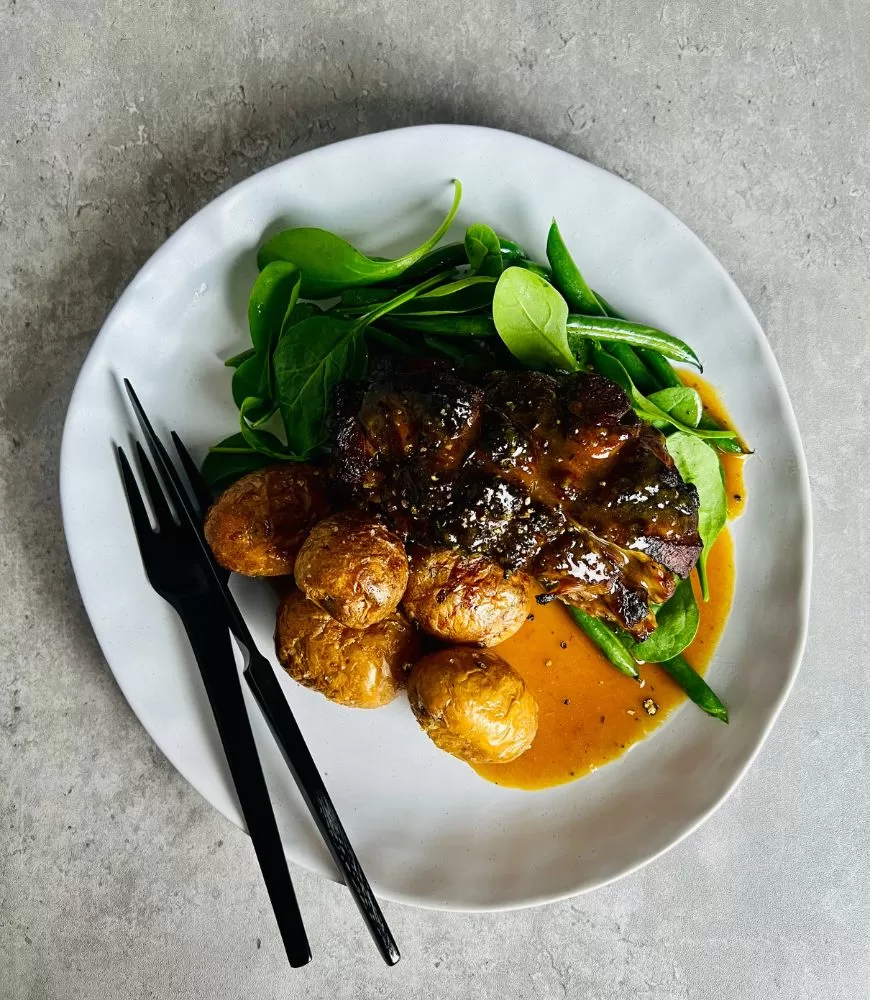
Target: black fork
{"points": [[174, 565], [261, 680]]}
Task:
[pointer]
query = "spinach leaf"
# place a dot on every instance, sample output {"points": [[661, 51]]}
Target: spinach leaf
{"points": [[683, 403], [568, 278], [395, 344], [309, 360], [314, 355], [272, 298], [258, 440], [580, 348], [270, 305], [238, 359], [229, 460], [249, 376], [647, 410], [699, 464], [484, 251], [530, 317], [676, 626], [329, 264], [448, 325], [465, 295]]}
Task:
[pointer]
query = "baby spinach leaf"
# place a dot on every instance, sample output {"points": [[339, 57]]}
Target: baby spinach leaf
{"points": [[568, 278], [699, 464], [676, 626], [465, 295], [647, 410], [238, 359], [248, 376], [395, 344], [329, 264], [272, 298], [446, 325], [363, 298], [484, 250], [580, 348], [270, 305], [530, 316], [262, 441], [229, 460], [311, 357], [309, 360], [684, 403]]}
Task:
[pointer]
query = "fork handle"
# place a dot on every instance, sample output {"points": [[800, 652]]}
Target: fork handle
{"points": [[213, 650], [267, 691]]}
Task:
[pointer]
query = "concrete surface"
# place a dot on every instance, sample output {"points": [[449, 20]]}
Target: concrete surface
{"points": [[118, 120]]}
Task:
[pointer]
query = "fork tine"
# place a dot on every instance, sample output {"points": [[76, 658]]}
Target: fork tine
{"points": [[162, 510], [180, 497], [138, 512], [194, 476]]}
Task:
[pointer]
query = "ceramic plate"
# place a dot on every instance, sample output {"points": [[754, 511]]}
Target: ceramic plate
{"points": [[428, 830]]}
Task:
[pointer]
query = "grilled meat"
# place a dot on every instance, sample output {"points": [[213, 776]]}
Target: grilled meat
{"points": [[551, 474]]}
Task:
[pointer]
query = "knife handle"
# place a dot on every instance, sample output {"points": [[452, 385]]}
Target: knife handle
{"points": [[212, 647]]}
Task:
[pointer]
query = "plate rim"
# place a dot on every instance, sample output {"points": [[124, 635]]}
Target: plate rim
{"points": [[790, 426]]}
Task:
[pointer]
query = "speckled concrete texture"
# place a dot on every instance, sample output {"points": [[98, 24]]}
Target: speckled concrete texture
{"points": [[118, 120]]}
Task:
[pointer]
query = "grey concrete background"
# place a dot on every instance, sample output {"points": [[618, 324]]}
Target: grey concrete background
{"points": [[117, 121]]}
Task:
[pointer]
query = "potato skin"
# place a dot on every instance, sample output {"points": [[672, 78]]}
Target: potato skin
{"points": [[354, 567], [465, 598], [258, 524], [361, 668], [473, 704]]}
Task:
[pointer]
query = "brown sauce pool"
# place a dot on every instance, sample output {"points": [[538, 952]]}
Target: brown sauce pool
{"points": [[589, 713]]}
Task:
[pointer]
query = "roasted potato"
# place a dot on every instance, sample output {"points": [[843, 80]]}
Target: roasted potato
{"points": [[257, 526], [354, 567], [465, 598], [362, 668], [473, 704]]}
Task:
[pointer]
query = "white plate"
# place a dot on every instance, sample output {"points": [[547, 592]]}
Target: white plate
{"points": [[427, 829]]}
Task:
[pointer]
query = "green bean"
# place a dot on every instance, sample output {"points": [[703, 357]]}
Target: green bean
{"points": [[568, 278], [607, 641], [664, 373], [638, 371], [447, 325], [606, 329], [698, 690], [640, 374]]}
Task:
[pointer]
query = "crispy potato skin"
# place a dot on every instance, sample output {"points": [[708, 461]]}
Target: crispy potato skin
{"points": [[465, 598], [361, 668], [354, 567], [257, 526], [473, 704]]}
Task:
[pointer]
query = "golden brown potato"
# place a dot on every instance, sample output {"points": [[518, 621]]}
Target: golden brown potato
{"points": [[465, 598], [354, 567], [473, 704], [362, 668], [257, 526]]}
